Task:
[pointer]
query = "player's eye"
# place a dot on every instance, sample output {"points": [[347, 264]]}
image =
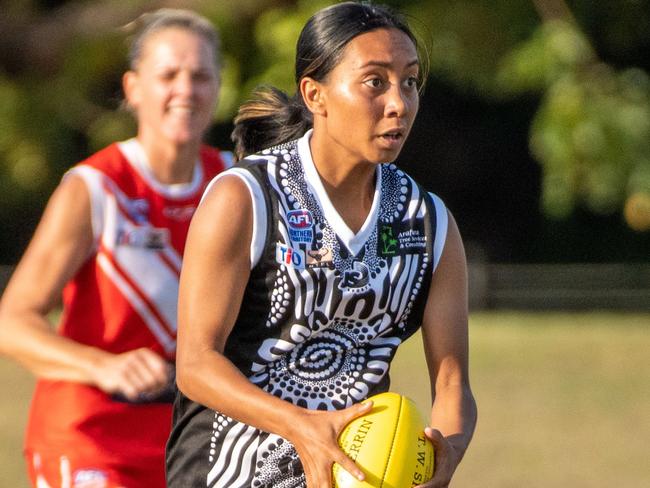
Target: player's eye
{"points": [[167, 75], [412, 82], [201, 76], [374, 82]]}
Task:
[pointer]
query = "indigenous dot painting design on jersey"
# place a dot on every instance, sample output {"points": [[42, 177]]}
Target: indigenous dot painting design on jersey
{"points": [[336, 318]]}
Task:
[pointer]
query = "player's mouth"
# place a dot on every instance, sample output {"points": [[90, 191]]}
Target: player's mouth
{"points": [[392, 138], [180, 109]]}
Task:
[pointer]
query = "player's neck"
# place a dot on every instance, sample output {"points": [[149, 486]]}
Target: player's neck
{"points": [[170, 163], [349, 183]]}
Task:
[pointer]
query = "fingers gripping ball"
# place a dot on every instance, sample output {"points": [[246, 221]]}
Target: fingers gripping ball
{"points": [[388, 444]]}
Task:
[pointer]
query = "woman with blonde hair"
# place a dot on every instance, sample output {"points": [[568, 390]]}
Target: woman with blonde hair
{"points": [[110, 242]]}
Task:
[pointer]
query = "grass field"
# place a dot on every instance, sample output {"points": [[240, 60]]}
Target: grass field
{"points": [[564, 401]]}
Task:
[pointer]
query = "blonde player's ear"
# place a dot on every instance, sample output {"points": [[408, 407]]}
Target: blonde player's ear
{"points": [[313, 95], [131, 87]]}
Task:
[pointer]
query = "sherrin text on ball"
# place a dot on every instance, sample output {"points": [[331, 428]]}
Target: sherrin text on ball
{"points": [[388, 444]]}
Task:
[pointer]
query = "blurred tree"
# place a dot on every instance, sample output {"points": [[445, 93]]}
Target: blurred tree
{"points": [[584, 64], [592, 131]]}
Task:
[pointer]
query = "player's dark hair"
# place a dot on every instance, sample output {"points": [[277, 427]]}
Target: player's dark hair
{"points": [[271, 117]]}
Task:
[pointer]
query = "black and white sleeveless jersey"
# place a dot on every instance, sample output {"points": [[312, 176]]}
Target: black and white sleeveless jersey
{"points": [[322, 316]]}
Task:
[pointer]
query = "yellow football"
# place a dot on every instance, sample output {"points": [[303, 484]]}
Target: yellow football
{"points": [[388, 444]]}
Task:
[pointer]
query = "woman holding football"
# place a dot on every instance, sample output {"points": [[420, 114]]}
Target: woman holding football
{"points": [[309, 263]]}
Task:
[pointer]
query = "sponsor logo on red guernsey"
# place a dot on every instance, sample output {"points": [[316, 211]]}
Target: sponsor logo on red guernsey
{"points": [[180, 214]]}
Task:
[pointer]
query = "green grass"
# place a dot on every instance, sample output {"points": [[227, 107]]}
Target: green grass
{"points": [[564, 401], [17, 385]]}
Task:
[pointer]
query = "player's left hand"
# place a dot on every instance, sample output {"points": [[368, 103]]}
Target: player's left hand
{"points": [[447, 459]]}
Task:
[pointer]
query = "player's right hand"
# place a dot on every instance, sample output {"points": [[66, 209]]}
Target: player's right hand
{"points": [[132, 373], [315, 437]]}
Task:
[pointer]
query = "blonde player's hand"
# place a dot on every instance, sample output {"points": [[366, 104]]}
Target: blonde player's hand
{"points": [[132, 373], [315, 437]]}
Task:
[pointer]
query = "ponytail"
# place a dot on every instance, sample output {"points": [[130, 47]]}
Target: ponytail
{"points": [[269, 118]]}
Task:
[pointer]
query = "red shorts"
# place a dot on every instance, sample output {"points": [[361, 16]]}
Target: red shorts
{"points": [[62, 471]]}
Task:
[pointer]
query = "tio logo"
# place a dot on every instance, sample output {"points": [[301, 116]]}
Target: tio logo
{"points": [[289, 256], [300, 219]]}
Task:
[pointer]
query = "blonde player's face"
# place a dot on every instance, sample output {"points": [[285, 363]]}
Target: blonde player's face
{"points": [[174, 87], [371, 96]]}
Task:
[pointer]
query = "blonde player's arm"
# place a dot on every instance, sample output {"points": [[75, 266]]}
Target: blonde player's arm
{"points": [[61, 244], [445, 337], [216, 269]]}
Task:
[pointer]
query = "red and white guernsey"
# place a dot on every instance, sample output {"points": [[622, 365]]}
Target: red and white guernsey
{"points": [[124, 297]]}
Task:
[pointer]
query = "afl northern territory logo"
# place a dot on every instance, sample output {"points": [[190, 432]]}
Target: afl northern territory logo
{"points": [[301, 225], [300, 219]]}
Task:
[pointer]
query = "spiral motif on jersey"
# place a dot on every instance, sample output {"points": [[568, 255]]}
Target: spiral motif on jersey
{"points": [[322, 359], [329, 370]]}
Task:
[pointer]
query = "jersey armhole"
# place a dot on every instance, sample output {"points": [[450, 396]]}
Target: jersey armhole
{"points": [[442, 222], [259, 210], [93, 180]]}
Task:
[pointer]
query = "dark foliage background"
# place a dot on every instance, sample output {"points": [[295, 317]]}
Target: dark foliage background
{"points": [[534, 126]]}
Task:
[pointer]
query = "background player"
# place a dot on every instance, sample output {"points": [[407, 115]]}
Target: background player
{"points": [[111, 241]]}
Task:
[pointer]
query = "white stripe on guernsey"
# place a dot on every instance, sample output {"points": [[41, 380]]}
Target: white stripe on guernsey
{"points": [[174, 258], [138, 305], [154, 278], [226, 478], [402, 291], [66, 476], [247, 460], [354, 242], [381, 352], [414, 204], [413, 271], [37, 464], [135, 155], [93, 179], [330, 306], [41, 482], [259, 210], [309, 297], [237, 431], [373, 366], [399, 300], [125, 202], [442, 222]]}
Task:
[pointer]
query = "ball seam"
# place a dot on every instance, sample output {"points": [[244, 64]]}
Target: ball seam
{"points": [[392, 442]]}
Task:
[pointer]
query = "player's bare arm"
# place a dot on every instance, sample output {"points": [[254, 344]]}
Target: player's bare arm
{"points": [[61, 244], [445, 336]]}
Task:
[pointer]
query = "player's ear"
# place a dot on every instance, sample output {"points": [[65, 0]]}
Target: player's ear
{"points": [[313, 95], [131, 87]]}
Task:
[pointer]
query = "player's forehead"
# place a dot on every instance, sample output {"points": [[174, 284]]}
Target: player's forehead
{"points": [[385, 47], [174, 44]]}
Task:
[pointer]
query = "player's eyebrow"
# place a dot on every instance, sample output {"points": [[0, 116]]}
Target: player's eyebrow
{"points": [[386, 64]]}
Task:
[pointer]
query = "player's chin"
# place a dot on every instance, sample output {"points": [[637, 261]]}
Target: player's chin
{"points": [[185, 130], [387, 157], [182, 137], [387, 153]]}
